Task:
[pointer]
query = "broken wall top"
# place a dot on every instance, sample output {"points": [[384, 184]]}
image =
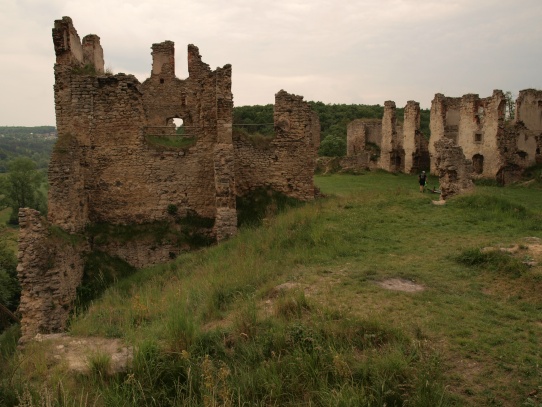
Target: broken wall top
{"points": [[106, 166], [529, 109], [71, 52]]}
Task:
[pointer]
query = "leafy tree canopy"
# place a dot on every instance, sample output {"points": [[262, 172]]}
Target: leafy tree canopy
{"points": [[334, 119], [21, 187], [33, 142]]}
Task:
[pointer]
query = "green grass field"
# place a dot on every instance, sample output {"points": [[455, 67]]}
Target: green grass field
{"points": [[293, 312]]}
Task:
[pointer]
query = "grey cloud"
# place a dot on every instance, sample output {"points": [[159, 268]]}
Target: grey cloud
{"points": [[363, 51]]}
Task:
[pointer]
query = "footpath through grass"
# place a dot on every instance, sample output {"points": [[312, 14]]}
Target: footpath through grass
{"points": [[291, 313]]}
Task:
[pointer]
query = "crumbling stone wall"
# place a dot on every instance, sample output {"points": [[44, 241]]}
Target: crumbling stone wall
{"points": [[444, 123], [111, 166], [360, 132], [50, 270], [104, 167], [391, 148], [285, 163], [387, 145], [363, 141], [453, 169], [529, 109], [415, 145], [497, 149]]}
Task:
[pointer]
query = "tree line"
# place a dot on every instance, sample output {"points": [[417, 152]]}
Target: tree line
{"points": [[35, 143], [334, 119]]}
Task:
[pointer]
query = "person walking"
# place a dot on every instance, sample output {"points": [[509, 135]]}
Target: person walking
{"points": [[422, 179]]}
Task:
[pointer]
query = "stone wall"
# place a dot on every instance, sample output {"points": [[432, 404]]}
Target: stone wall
{"points": [[498, 150], [105, 167], [387, 145], [118, 161], [50, 270], [415, 145], [444, 122], [453, 169], [391, 148], [360, 132], [285, 163], [529, 109]]}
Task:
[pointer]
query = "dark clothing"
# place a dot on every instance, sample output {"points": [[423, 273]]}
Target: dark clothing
{"points": [[422, 178]]}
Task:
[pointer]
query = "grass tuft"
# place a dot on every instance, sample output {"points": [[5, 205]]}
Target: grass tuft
{"points": [[99, 365], [492, 260]]}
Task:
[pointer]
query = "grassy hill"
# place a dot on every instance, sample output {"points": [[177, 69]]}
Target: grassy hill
{"points": [[299, 311]]}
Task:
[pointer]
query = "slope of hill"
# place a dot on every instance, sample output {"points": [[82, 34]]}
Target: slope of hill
{"points": [[370, 296]]}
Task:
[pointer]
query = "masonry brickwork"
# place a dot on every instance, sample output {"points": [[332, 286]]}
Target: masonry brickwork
{"points": [[270, 164], [415, 145], [386, 144], [108, 168], [453, 169], [498, 149], [49, 271]]}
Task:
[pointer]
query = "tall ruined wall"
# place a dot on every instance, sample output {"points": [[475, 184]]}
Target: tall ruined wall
{"points": [[529, 109], [414, 143], [444, 122], [389, 134], [72, 52], [123, 180], [520, 142], [497, 150], [359, 132], [528, 126], [392, 154], [453, 169], [285, 163], [106, 167], [50, 270], [480, 125], [387, 145], [355, 137]]}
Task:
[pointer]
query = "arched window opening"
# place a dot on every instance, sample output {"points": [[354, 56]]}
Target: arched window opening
{"points": [[179, 125]]}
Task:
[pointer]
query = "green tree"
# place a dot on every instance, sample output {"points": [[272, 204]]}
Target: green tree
{"points": [[332, 146], [510, 106], [21, 187], [10, 290]]}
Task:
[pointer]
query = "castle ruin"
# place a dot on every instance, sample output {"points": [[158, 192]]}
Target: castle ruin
{"points": [[387, 145], [497, 149], [113, 164]]}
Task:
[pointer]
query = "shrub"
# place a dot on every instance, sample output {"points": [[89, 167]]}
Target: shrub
{"points": [[332, 146]]}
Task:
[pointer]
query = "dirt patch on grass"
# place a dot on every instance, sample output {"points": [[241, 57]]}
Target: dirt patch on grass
{"points": [[400, 284], [530, 250], [78, 352]]}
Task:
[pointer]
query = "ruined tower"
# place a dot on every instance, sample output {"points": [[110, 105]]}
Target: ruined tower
{"points": [[498, 149], [121, 163]]}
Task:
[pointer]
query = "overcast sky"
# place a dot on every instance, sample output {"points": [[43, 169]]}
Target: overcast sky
{"points": [[350, 51]]}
